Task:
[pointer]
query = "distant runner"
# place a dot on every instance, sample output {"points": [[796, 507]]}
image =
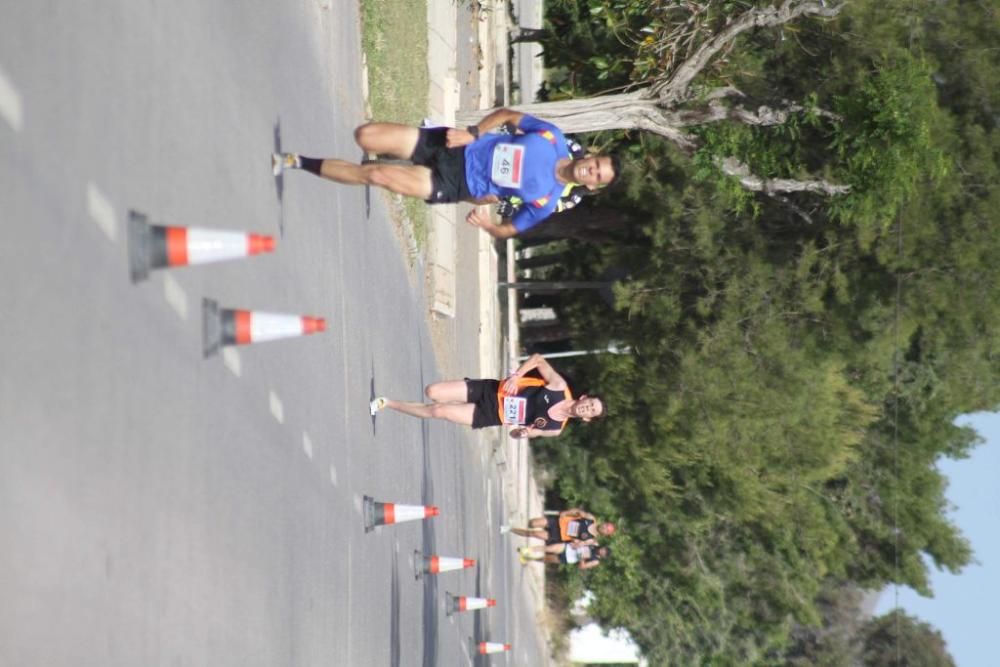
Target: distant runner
{"points": [[584, 556], [572, 525], [533, 168], [535, 406]]}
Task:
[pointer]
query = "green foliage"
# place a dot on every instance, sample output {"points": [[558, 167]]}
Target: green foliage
{"points": [[885, 142], [900, 639]]}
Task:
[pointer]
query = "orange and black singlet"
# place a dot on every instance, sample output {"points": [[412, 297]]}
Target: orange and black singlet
{"points": [[530, 405], [568, 528]]}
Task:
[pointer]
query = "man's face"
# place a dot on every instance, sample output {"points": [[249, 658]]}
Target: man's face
{"points": [[593, 172], [587, 408]]}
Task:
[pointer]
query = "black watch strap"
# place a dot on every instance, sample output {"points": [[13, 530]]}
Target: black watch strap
{"points": [[473, 130]]}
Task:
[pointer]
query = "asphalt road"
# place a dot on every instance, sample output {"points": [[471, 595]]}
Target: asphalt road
{"points": [[158, 508]]}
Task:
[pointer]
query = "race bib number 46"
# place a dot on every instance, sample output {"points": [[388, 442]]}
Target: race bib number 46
{"points": [[515, 409], [507, 162]]}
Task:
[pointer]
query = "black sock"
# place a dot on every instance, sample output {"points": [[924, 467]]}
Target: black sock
{"points": [[311, 164]]}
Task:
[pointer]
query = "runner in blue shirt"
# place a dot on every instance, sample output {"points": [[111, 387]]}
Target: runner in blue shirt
{"points": [[450, 165]]}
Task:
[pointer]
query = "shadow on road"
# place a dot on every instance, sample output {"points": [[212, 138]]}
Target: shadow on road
{"points": [[371, 393], [279, 180]]}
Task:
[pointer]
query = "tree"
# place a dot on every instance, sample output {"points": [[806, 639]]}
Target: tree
{"points": [[900, 640]]}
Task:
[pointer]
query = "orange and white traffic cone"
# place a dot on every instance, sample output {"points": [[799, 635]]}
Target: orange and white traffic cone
{"points": [[226, 326], [460, 603], [159, 246], [437, 564], [492, 647], [386, 514]]}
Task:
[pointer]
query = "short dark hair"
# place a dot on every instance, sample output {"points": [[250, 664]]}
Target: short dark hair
{"points": [[606, 554], [616, 164]]}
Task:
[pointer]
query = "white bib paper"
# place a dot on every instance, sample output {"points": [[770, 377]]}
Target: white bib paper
{"points": [[508, 160], [515, 409]]}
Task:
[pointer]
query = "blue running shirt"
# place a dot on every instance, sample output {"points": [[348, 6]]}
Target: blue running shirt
{"points": [[520, 165]]}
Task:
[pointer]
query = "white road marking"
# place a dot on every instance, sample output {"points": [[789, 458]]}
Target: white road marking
{"points": [[333, 475], [102, 212], [356, 501], [277, 409], [10, 103], [307, 445], [175, 296], [489, 503], [231, 358]]}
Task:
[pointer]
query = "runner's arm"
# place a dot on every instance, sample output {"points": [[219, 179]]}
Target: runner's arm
{"points": [[504, 230], [531, 432], [588, 564], [580, 513], [463, 137], [488, 199], [537, 362], [498, 118]]}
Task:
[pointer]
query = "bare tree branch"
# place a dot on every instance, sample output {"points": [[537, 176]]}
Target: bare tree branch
{"points": [[772, 186], [716, 111], [674, 89]]}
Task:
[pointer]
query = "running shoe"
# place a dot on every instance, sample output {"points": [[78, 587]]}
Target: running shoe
{"points": [[376, 405], [282, 161]]}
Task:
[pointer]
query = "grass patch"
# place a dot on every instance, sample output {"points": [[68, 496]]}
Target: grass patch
{"points": [[394, 38]]}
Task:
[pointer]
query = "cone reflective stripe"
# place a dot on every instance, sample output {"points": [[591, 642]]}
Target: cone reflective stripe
{"points": [[160, 246], [242, 327], [385, 514], [438, 564], [459, 603], [472, 604], [226, 326], [492, 647]]}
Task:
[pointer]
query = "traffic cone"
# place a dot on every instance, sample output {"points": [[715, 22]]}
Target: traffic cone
{"points": [[158, 246], [385, 514], [460, 603], [225, 326], [437, 564], [492, 647]]}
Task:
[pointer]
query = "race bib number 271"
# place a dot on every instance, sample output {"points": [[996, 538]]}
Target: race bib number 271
{"points": [[515, 409], [507, 162]]}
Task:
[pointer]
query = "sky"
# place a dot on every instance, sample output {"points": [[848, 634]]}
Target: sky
{"points": [[964, 606]]}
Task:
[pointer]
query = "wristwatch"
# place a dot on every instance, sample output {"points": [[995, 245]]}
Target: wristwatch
{"points": [[473, 130]]}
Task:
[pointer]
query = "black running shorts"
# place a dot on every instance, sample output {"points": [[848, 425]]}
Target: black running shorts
{"points": [[483, 393], [555, 532], [447, 166]]}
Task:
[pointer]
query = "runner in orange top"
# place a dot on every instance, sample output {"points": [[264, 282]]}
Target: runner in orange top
{"points": [[534, 406]]}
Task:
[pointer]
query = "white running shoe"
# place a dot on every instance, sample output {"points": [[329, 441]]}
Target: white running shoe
{"points": [[283, 161], [504, 529], [376, 405]]}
